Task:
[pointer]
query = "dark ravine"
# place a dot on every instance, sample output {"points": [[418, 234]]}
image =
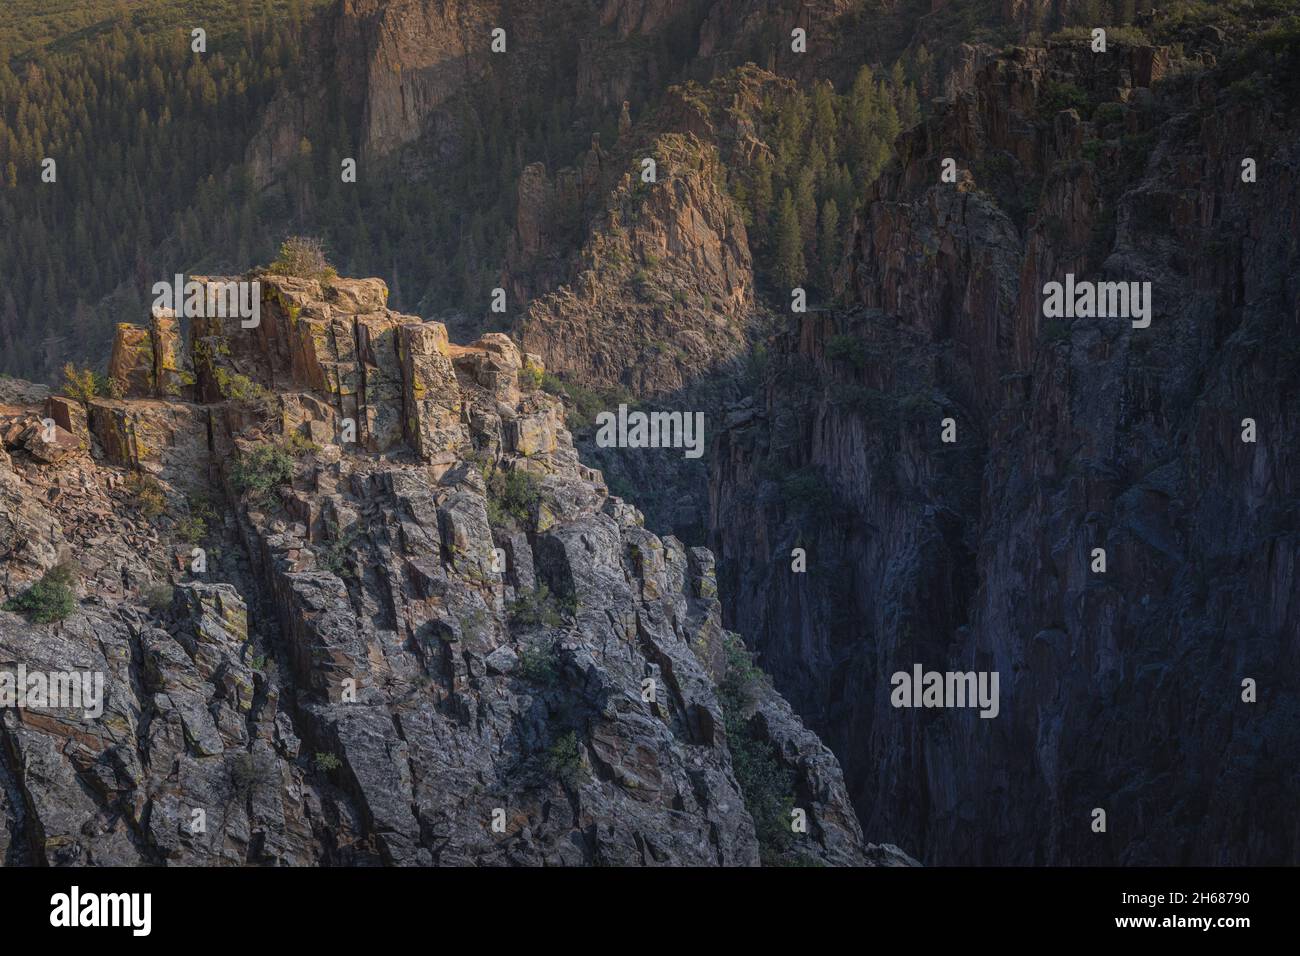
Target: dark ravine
{"points": [[1122, 690]]}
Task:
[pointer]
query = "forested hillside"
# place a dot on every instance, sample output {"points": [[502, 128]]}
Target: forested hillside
{"points": [[150, 141], [147, 139]]}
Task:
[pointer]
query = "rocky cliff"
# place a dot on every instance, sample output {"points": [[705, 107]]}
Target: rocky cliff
{"points": [[355, 599], [1124, 684]]}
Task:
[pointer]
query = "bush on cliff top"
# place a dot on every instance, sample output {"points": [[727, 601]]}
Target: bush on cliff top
{"points": [[303, 257], [79, 384]]}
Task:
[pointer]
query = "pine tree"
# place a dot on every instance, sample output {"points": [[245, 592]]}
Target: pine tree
{"points": [[805, 207], [828, 244], [761, 196], [788, 268]]}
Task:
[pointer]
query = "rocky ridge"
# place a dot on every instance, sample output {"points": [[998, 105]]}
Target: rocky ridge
{"points": [[442, 642]]}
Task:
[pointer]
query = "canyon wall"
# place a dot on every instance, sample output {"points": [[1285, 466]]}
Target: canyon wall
{"points": [[1121, 689]]}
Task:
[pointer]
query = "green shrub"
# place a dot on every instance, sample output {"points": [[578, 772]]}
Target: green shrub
{"points": [[335, 556], [298, 445], [79, 384], [806, 492], [147, 495], [539, 664], [1136, 149], [1072, 33], [325, 762], [583, 404], [1133, 36], [191, 529], [241, 388], [158, 597], [1108, 113], [917, 406], [260, 470], [530, 377], [512, 495], [1057, 96], [251, 773], [49, 599], [768, 789], [537, 608], [107, 386], [553, 383], [563, 760], [847, 348]]}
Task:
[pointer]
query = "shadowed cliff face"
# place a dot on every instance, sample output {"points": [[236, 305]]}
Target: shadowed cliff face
{"points": [[1120, 690], [419, 630]]}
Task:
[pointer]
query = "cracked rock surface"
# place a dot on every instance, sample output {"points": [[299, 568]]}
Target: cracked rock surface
{"points": [[441, 642]]}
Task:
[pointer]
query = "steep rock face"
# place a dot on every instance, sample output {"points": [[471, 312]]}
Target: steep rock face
{"points": [[438, 640], [1120, 690], [662, 289], [418, 55], [665, 284], [660, 300], [396, 68]]}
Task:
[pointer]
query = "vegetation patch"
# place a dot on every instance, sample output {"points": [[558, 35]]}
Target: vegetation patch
{"points": [[147, 496], [582, 404], [80, 384], [563, 760], [158, 597], [303, 257], [48, 600], [512, 496], [538, 607], [806, 492], [1060, 95], [530, 377], [251, 773], [193, 527], [768, 788], [847, 348], [540, 664], [334, 557], [259, 471], [325, 762]]}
